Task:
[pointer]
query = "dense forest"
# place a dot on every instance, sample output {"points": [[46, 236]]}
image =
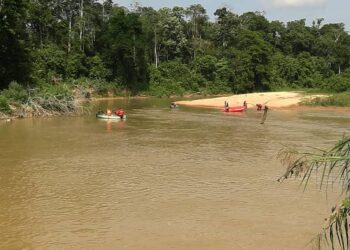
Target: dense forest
{"points": [[110, 48]]}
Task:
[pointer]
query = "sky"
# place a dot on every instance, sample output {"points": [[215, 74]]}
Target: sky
{"points": [[333, 11]]}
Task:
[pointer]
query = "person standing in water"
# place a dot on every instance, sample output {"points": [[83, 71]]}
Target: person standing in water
{"points": [[264, 115], [226, 106], [173, 105]]}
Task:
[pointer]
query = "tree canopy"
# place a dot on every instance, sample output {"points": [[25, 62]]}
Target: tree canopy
{"points": [[53, 41]]}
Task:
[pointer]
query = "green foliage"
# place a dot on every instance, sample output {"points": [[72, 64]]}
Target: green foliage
{"points": [[259, 52], [172, 37], [4, 106], [52, 42], [14, 63], [15, 93], [346, 202], [303, 71], [331, 166], [124, 51], [60, 91], [218, 87], [49, 63], [337, 100], [206, 66], [338, 83], [103, 88], [172, 78], [76, 66], [97, 69], [298, 37]]}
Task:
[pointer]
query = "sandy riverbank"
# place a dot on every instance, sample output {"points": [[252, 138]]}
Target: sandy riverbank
{"points": [[272, 99]]}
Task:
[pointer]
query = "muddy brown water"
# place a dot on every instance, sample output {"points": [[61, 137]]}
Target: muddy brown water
{"points": [[163, 179]]}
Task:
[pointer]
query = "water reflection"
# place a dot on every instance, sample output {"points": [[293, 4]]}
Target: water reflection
{"points": [[113, 124]]}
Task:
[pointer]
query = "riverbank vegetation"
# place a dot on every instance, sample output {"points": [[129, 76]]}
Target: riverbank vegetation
{"points": [[333, 100], [101, 48]]}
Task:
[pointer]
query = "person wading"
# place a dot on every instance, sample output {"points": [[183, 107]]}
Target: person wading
{"points": [[264, 115]]}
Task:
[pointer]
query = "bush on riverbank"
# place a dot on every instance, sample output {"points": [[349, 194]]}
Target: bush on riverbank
{"points": [[4, 106], [338, 83], [46, 99], [336, 100], [15, 93]]}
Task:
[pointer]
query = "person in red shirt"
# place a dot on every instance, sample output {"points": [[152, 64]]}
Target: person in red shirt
{"points": [[120, 113]]}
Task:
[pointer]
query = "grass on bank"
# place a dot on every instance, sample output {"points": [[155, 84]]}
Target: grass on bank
{"points": [[330, 99], [333, 100]]}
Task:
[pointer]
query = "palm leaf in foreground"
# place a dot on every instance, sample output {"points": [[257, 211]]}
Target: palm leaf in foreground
{"points": [[332, 166]]}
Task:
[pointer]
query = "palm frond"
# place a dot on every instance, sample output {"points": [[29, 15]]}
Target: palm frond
{"points": [[334, 162], [333, 166]]}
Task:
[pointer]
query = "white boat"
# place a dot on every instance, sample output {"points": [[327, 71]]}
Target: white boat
{"points": [[110, 117]]}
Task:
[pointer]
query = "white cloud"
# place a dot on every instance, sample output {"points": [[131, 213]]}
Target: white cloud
{"points": [[295, 3]]}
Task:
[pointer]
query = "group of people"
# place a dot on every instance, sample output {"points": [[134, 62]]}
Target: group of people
{"points": [[259, 107], [118, 112], [173, 105], [245, 105]]}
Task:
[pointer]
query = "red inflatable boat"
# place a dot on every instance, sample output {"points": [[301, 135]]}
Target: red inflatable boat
{"points": [[235, 109]]}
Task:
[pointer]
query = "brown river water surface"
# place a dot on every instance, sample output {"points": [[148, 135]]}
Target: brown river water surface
{"points": [[163, 179]]}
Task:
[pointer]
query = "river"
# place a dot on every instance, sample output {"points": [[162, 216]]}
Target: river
{"points": [[163, 179]]}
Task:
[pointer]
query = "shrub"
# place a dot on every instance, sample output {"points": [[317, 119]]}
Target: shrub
{"points": [[4, 106], [103, 88], [338, 83], [338, 100], [60, 91], [15, 92]]}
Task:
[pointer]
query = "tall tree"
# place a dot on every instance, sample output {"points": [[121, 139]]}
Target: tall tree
{"points": [[172, 39], [333, 44], [198, 19], [67, 11], [150, 18], [41, 22], [14, 58], [227, 27], [124, 49]]}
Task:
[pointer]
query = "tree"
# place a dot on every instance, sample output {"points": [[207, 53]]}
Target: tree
{"points": [[150, 18], [333, 166], [49, 63], [260, 56], [227, 27], [254, 21], [333, 44], [298, 37], [172, 39], [67, 11], [124, 49], [198, 20], [41, 21], [14, 56]]}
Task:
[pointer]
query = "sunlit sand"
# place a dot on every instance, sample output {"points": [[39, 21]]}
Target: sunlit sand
{"points": [[271, 99]]}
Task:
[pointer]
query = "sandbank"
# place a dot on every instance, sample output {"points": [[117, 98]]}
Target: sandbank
{"points": [[271, 99]]}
